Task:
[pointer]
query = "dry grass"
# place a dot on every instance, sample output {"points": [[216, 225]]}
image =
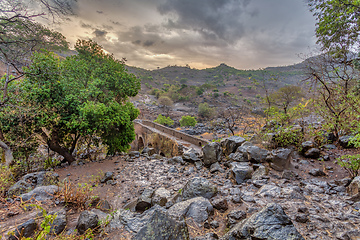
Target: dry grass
{"points": [[75, 196]]}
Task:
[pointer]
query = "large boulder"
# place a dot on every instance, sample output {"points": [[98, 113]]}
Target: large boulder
{"points": [[199, 209], [41, 193], [280, 158], [312, 153], [212, 153], [144, 201], [241, 171], [24, 230], [32, 180], [160, 197], [191, 155], [230, 144], [270, 223], [162, 226], [256, 154], [260, 172], [344, 141], [87, 220], [198, 187]]}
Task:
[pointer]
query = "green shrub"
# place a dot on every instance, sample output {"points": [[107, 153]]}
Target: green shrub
{"points": [[288, 136], [206, 111], [164, 120], [187, 121], [351, 163]]}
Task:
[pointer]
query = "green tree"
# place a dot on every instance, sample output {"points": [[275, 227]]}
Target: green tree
{"points": [[205, 111], [83, 96], [187, 121], [285, 96], [166, 103], [164, 120]]}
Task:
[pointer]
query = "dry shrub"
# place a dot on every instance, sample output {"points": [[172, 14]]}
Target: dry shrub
{"points": [[6, 180], [164, 145], [75, 196]]}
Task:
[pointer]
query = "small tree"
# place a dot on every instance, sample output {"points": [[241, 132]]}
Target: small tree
{"points": [[166, 104], [285, 96], [187, 121], [164, 120], [205, 111]]}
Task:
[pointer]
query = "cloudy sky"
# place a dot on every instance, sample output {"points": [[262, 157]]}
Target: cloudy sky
{"points": [[246, 34]]}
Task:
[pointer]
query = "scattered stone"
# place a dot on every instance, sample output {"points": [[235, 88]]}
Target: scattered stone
{"points": [[234, 217], [198, 187], [280, 158], [107, 176], [307, 145], [316, 172], [41, 193], [241, 171], [144, 201], [238, 157], [301, 218], [220, 204], [212, 153], [230, 144], [191, 155], [199, 209], [162, 226], [59, 223], [134, 154], [256, 154], [215, 167], [208, 236], [344, 141], [270, 223], [199, 165], [87, 220], [313, 153], [259, 173], [160, 197], [354, 187], [289, 175], [24, 230]]}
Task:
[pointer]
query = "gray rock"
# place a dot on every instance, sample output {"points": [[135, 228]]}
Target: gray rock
{"points": [[160, 197], [144, 201], [270, 191], [199, 209], [107, 176], [59, 223], [41, 193], [149, 151], [280, 158], [270, 223], [329, 146], [230, 144], [344, 141], [198, 187], [312, 153], [178, 159], [256, 154], [191, 155], [241, 171], [87, 220], [238, 157], [220, 204], [289, 175], [208, 236], [301, 218], [24, 230], [215, 167], [234, 217], [18, 188], [134, 154], [162, 226], [316, 172], [354, 187], [199, 165], [260, 172], [32, 180], [307, 145], [212, 153]]}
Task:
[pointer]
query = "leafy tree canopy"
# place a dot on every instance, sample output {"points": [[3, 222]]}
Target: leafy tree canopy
{"points": [[82, 96]]}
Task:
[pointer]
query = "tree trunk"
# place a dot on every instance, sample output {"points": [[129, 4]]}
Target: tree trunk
{"points": [[7, 153], [54, 145]]}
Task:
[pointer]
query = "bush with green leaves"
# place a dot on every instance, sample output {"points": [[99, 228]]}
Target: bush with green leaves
{"points": [[81, 96], [351, 163], [164, 120], [287, 137], [187, 121], [205, 111]]}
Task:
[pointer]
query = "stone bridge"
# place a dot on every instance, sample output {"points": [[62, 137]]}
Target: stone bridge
{"points": [[144, 129]]}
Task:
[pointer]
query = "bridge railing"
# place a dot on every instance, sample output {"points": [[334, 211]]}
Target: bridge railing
{"points": [[172, 132]]}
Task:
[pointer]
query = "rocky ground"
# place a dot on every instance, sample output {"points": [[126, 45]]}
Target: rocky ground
{"points": [[241, 196]]}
